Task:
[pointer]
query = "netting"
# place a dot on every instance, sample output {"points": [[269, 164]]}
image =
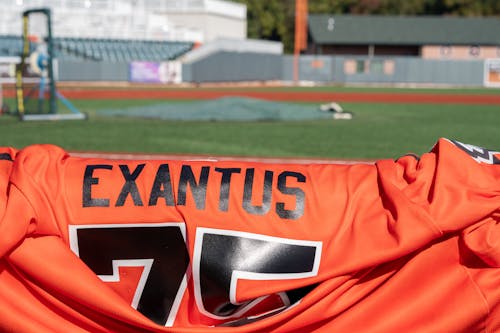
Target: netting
{"points": [[36, 101], [36, 76], [223, 109]]}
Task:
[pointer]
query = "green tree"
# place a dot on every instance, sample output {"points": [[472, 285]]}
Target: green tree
{"points": [[274, 19], [271, 20]]}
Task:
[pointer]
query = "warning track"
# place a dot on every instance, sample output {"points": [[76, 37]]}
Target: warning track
{"points": [[291, 96], [97, 93]]}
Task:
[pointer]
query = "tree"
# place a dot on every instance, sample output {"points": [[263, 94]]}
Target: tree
{"points": [[271, 20], [274, 19]]}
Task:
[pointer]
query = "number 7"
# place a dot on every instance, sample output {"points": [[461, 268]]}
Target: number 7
{"points": [[158, 247]]}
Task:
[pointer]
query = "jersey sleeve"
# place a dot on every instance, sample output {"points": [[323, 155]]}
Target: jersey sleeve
{"points": [[7, 156], [459, 183]]}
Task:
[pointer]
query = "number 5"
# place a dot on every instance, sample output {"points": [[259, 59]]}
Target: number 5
{"points": [[222, 257]]}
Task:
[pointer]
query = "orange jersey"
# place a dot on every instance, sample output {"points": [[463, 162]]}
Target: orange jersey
{"points": [[95, 245], [7, 156]]}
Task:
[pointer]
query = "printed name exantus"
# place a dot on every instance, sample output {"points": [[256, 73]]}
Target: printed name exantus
{"points": [[196, 183]]}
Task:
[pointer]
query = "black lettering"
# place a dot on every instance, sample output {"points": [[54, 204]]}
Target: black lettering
{"points": [[225, 186], [266, 196], [88, 181], [198, 188], [5, 157], [162, 187], [297, 192], [130, 187]]}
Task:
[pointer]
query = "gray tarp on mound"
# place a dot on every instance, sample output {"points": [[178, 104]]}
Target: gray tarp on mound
{"points": [[223, 109]]}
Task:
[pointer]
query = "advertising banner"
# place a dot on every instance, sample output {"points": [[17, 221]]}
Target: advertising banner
{"points": [[155, 72]]}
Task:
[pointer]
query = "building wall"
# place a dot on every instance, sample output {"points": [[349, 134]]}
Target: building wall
{"points": [[394, 50], [460, 52], [179, 20], [213, 26], [339, 49], [424, 51]]}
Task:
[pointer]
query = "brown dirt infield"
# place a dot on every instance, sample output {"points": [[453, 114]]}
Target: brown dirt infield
{"points": [[368, 97], [291, 96]]}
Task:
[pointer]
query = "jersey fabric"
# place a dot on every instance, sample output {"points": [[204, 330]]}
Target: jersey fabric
{"points": [[95, 245], [7, 156]]}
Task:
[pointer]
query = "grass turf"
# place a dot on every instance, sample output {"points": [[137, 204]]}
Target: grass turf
{"points": [[377, 131]]}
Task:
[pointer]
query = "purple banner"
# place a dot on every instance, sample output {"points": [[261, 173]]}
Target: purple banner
{"points": [[144, 71], [155, 72]]}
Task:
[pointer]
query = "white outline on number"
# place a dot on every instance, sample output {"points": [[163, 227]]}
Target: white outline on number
{"points": [[200, 232], [476, 151], [146, 263]]}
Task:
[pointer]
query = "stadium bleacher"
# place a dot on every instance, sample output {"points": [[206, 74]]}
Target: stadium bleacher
{"points": [[97, 49]]}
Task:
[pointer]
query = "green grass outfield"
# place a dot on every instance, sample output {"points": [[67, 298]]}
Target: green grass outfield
{"points": [[377, 131]]}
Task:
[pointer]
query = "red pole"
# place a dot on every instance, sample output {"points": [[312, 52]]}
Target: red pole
{"points": [[300, 34]]}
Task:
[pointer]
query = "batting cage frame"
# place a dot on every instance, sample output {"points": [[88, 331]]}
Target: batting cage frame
{"points": [[47, 83]]}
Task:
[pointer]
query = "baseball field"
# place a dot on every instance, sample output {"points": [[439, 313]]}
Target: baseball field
{"points": [[387, 122]]}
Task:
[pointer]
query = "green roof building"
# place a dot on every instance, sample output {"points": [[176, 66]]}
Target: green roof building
{"points": [[430, 37]]}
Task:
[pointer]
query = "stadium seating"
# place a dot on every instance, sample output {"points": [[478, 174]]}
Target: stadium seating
{"points": [[119, 50]]}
